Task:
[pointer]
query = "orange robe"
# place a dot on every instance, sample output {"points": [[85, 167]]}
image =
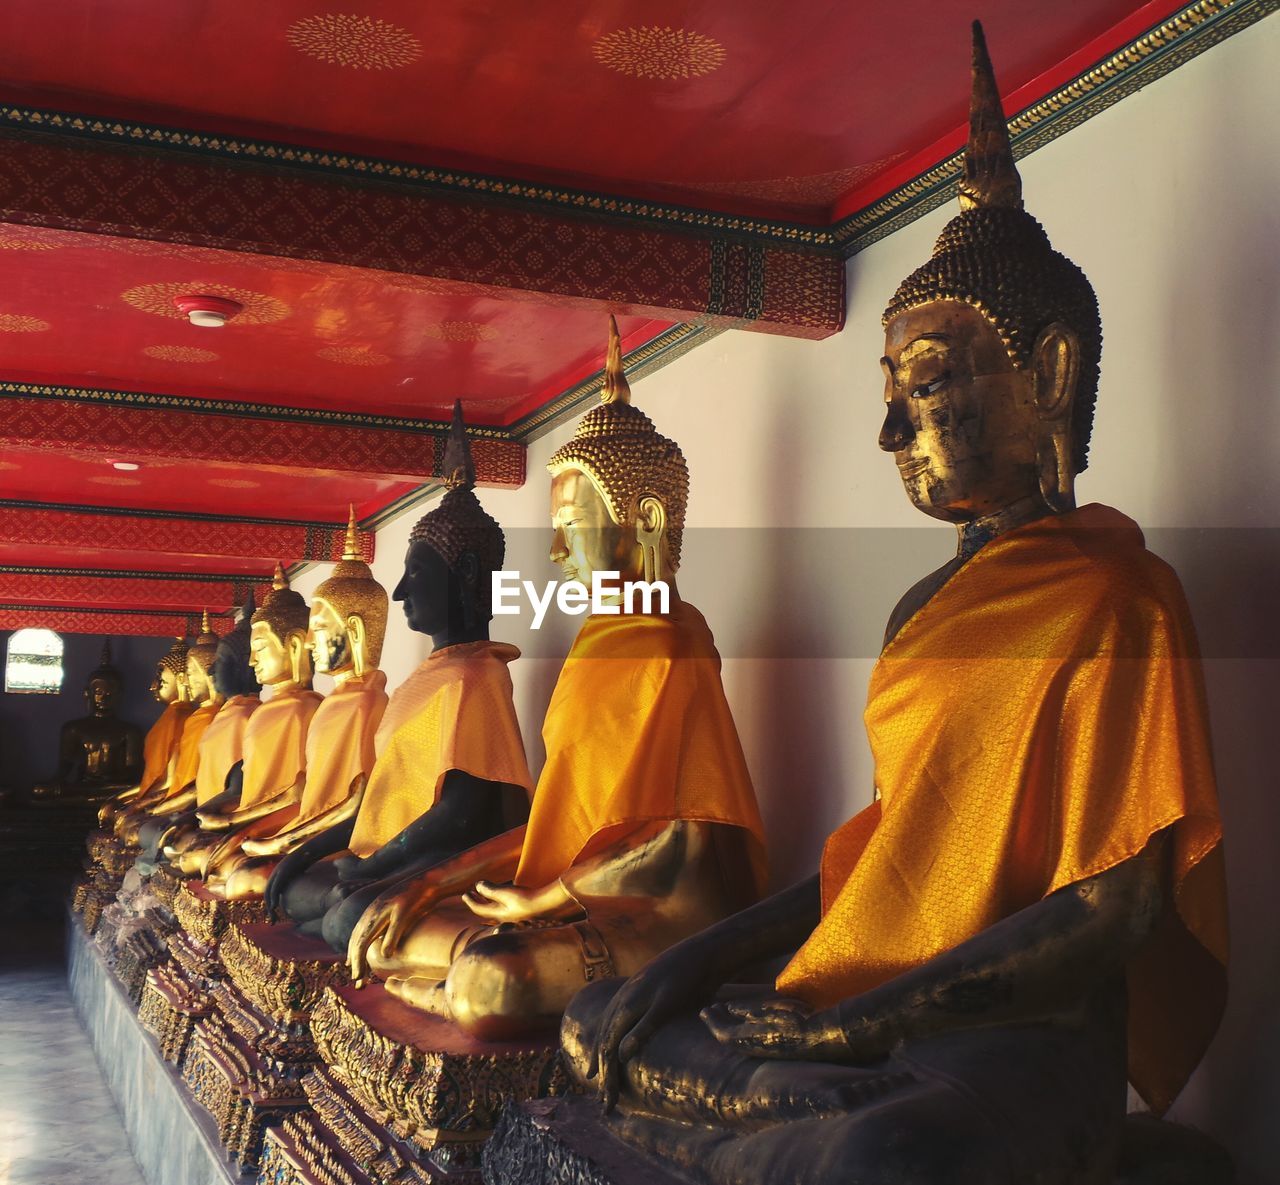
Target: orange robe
{"points": [[456, 711], [1034, 724], [340, 742], [223, 745], [638, 730], [275, 744], [163, 739], [187, 762]]}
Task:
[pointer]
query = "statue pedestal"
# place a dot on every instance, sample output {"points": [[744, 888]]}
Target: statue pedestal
{"points": [[177, 994], [566, 1141], [248, 1056], [109, 858], [404, 1097]]}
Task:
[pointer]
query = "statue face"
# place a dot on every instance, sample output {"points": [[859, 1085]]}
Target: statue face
{"points": [[424, 589], [586, 538], [268, 656], [165, 685], [197, 682], [962, 422], [103, 695], [327, 639]]}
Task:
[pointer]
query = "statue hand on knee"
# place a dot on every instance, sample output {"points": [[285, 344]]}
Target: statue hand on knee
{"points": [[782, 1027]]}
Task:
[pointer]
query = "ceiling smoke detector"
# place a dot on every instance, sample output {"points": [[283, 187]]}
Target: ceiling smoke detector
{"points": [[209, 312], [127, 466]]}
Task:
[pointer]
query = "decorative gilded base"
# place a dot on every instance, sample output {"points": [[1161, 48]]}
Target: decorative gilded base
{"points": [[170, 1008], [436, 1082], [247, 1058]]}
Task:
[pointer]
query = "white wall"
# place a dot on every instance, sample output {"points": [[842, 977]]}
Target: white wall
{"points": [[801, 538]]}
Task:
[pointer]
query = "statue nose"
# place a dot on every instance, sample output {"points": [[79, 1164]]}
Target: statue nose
{"points": [[897, 431]]}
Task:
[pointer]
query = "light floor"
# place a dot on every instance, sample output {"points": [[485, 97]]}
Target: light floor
{"points": [[58, 1124]]}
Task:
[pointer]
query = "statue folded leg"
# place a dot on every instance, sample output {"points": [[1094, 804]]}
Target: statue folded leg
{"points": [[1039, 1102]]}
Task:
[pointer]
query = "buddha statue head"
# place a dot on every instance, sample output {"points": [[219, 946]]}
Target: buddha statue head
{"points": [[278, 637], [453, 551], [232, 672], [169, 684], [619, 489], [103, 687], [199, 666], [992, 347], [348, 620]]}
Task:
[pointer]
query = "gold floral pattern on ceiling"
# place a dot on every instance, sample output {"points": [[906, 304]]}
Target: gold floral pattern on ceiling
{"points": [[659, 52], [258, 308], [180, 354], [10, 242], [355, 41], [352, 356], [233, 483], [21, 323], [461, 331], [109, 480]]}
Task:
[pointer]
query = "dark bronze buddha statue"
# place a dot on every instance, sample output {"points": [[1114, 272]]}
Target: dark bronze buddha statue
{"points": [[1031, 912], [98, 754]]}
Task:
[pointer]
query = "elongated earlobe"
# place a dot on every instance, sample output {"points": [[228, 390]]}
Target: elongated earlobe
{"points": [[1056, 359]]}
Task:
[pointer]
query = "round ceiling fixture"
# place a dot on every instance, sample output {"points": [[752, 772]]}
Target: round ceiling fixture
{"points": [[127, 466], [209, 312]]}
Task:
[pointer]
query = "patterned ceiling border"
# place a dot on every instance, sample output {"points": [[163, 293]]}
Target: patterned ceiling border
{"points": [[1159, 51], [133, 574], [148, 400], [72, 619], [451, 182]]}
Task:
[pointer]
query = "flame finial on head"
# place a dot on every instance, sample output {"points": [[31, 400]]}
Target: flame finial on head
{"points": [[351, 548], [457, 466], [616, 388], [990, 176], [279, 580]]}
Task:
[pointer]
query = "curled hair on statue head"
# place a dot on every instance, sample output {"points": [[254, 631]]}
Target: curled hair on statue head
{"points": [[996, 257]]}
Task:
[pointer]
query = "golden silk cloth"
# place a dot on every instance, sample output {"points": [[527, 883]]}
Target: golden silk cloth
{"points": [[186, 763], [162, 741], [638, 730], [456, 711], [1034, 724], [223, 745], [275, 744], [340, 742]]}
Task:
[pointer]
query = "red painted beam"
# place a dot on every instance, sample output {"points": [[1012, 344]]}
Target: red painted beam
{"points": [[71, 183], [171, 542], [68, 620], [112, 423], [101, 590]]}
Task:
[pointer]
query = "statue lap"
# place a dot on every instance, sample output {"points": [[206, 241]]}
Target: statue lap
{"points": [[1038, 1103]]}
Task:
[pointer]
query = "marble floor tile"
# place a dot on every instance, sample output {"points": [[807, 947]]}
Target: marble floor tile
{"points": [[58, 1123]]}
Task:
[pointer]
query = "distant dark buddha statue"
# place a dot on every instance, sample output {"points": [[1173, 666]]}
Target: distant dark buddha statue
{"points": [[98, 755], [1032, 912]]}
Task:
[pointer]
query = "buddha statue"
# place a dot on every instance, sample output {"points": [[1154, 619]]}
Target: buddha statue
{"points": [[348, 621], [449, 769], [1032, 909], [160, 747], [273, 755], [644, 827], [98, 755], [224, 691]]}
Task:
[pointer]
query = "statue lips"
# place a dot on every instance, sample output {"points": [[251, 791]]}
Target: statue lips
{"points": [[910, 466]]}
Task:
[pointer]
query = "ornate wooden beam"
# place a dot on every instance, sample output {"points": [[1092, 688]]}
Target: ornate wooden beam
{"points": [[70, 620], [156, 427], [220, 541], [73, 174], [113, 590]]}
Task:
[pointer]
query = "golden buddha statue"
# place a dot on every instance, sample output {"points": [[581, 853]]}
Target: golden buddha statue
{"points": [[449, 769], [347, 625], [1032, 909], [98, 755], [273, 760], [160, 747], [223, 694], [644, 826]]}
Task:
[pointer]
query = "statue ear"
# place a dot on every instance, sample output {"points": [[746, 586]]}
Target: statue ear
{"points": [[1056, 362], [468, 568], [651, 519]]}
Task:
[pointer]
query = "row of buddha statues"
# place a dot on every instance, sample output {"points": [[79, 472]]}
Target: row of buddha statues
{"points": [[1028, 917]]}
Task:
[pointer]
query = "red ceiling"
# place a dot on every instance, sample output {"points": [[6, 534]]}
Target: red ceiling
{"points": [[781, 106], [85, 310]]}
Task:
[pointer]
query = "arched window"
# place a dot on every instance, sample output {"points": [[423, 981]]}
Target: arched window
{"points": [[34, 662]]}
